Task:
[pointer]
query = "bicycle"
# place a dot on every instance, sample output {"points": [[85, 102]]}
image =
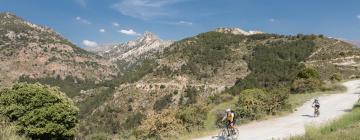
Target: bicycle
{"points": [[316, 111], [224, 133]]}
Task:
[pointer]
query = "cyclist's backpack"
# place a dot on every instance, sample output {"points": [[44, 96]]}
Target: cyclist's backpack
{"points": [[235, 116]]}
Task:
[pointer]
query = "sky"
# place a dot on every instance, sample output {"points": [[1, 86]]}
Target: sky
{"points": [[95, 22]]}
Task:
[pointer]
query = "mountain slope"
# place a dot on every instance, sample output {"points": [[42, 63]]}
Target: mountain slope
{"points": [[38, 52], [146, 46], [199, 70]]}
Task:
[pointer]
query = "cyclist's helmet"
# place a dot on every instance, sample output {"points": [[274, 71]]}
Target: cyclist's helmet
{"points": [[228, 110]]}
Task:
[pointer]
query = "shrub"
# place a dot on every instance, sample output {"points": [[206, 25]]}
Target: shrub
{"points": [[160, 126], [8, 131], [192, 117], [308, 73], [305, 85], [256, 103], [191, 95], [133, 120], [252, 104], [336, 77], [163, 102], [39, 111]]}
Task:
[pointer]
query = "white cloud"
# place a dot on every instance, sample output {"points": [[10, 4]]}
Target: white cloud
{"points": [[358, 16], [129, 32], [89, 43], [102, 30], [82, 3], [82, 20], [145, 9], [184, 23], [115, 24], [272, 20]]}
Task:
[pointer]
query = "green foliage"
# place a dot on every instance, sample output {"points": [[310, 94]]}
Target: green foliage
{"points": [[274, 65], [305, 85], [163, 102], [308, 80], [256, 103], [70, 85], [308, 73], [92, 102], [192, 117], [39, 111], [8, 130], [252, 104], [191, 95], [133, 120]]}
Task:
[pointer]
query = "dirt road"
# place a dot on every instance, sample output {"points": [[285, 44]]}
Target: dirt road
{"points": [[332, 106]]}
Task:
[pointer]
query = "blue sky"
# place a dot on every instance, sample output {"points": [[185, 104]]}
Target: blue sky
{"points": [[91, 22]]}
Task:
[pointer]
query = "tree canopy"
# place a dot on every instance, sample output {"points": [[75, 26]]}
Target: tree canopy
{"points": [[39, 111]]}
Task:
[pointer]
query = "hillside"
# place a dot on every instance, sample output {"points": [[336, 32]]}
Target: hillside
{"points": [[151, 88], [36, 51], [211, 67]]}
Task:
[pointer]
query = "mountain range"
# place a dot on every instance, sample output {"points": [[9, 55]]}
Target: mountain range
{"points": [[128, 88]]}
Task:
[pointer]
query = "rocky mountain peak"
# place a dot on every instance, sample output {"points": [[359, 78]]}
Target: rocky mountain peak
{"points": [[144, 46], [236, 31], [150, 36], [7, 15]]}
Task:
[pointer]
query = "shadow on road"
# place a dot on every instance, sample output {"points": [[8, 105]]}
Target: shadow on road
{"points": [[309, 116], [218, 138]]}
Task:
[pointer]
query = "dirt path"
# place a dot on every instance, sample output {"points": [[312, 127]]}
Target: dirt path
{"points": [[332, 106]]}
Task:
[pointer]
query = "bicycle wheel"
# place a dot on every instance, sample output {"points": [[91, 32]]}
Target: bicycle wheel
{"points": [[234, 133], [222, 133]]}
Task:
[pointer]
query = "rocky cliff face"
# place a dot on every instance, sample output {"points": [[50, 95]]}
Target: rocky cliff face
{"points": [[38, 51], [237, 31], [146, 46]]}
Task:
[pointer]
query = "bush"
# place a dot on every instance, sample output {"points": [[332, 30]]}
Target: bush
{"points": [[160, 126], [8, 131], [305, 85], [308, 73], [256, 103], [252, 104], [192, 117], [133, 120], [163, 102], [190, 95], [39, 111]]}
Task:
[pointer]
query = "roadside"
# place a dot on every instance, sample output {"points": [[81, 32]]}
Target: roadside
{"points": [[294, 123], [344, 128]]}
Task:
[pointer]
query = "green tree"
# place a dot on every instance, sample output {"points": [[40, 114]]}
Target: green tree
{"points": [[39, 111]]}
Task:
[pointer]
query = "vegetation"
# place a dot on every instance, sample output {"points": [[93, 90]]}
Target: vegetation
{"points": [[256, 103], [69, 85], [274, 65], [39, 111], [347, 127], [163, 102], [8, 131]]}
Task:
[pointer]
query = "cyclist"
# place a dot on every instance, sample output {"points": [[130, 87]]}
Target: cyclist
{"points": [[229, 116], [316, 105]]}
